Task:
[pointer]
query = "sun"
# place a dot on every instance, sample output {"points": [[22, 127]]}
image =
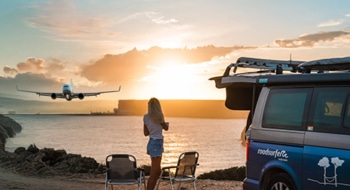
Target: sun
{"points": [[177, 80], [172, 81]]}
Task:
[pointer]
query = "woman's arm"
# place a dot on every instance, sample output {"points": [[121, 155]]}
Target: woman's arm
{"points": [[145, 130], [165, 125]]}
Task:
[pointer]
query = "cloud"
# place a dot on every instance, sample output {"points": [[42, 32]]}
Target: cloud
{"points": [[30, 81], [158, 19], [55, 65], [32, 64], [133, 65], [310, 40], [182, 66], [10, 71], [64, 20], [331, 23], [27, 79], [51, 68]]}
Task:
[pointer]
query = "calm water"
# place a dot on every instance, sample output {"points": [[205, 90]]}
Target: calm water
{"points": [[216, 140]]}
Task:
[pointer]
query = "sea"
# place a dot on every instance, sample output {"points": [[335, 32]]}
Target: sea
{"points": [[216, 140]]}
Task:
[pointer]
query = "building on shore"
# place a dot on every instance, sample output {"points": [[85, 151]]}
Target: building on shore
{"points": [[181, 108]]}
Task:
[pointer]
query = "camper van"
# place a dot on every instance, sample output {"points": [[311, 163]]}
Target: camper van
{"points": [[298, 132]]}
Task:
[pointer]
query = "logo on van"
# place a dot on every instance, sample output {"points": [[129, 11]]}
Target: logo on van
{"points": [[279, 154], [331, 180]]}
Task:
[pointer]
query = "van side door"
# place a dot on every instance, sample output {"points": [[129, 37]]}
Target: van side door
{"points": [[326, 162]]}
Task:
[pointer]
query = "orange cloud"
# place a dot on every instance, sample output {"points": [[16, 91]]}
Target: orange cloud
{"points": [[32, 64], [310, 40], [54, 65], [131, 65]]}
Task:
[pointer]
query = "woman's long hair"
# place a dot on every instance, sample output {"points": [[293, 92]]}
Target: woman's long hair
{"points": [[155, 110]]}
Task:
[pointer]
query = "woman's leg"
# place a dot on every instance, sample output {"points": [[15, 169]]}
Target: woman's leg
{"points": [[155, 172]]}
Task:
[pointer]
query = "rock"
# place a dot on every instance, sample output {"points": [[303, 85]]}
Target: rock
{"points": [[33, 149], [51, 156], [19, 150], [3, 137], [48, 161], [8, 128], [9, 122], [10, 132], [3, 132]]}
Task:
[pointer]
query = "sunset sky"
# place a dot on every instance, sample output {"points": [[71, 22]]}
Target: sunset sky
{"points": [[161, 48]]}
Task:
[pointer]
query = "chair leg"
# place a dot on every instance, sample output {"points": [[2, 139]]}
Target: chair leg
{"points": [[179, 185], [172, 184], [144, 181], [159, 179], [139, 184], [158, 184], [194, 185]]}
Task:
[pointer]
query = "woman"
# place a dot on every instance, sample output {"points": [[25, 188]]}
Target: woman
{"points": [[153, 125]]}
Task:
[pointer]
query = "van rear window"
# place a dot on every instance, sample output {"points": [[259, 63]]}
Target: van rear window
{"points": [[286, 108]]}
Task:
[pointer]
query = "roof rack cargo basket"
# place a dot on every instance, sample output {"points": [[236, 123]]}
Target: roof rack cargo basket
{"points": [[278, 66], [267, 65]]}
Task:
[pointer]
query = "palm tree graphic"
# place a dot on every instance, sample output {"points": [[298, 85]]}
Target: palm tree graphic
{"points": [[336, 162], [324, 162]]}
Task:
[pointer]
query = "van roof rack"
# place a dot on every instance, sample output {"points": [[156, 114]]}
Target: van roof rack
{"points": [[332, 64], [278, 66]]}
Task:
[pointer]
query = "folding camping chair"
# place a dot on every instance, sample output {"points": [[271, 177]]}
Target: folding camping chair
{"points": [[122, 169], [184, 171]]}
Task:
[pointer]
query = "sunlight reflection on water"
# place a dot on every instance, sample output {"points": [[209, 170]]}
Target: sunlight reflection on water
{"points": [[216, 140]]}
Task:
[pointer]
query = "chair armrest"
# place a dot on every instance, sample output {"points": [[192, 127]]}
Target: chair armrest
{"points": [[169, 167]]}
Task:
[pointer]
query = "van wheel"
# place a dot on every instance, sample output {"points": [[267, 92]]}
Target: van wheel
{"points": [[281, 181]]}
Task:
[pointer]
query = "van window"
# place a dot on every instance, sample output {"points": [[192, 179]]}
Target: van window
{"points": [[331, 110], [347, 113], [286, 108]]}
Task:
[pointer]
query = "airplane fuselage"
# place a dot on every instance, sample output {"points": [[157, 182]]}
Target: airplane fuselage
{"points": [[67, 91]]}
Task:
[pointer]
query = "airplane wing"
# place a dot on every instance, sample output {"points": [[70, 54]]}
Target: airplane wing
{"points": [[58, 94], [95, 93]]}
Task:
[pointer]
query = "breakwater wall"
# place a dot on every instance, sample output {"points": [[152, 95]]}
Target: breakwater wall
{"points": [[183, 108]]}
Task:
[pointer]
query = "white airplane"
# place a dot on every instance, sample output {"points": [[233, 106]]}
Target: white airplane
{"points": [[67, 92]]}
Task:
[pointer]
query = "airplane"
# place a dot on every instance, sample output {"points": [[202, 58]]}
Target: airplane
{"points": [[67, 92]]}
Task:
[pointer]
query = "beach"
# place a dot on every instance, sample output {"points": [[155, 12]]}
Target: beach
{"points": [[10, 179]]}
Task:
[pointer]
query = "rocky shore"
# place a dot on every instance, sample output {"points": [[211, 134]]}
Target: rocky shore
{"points": [[46, 161]]}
